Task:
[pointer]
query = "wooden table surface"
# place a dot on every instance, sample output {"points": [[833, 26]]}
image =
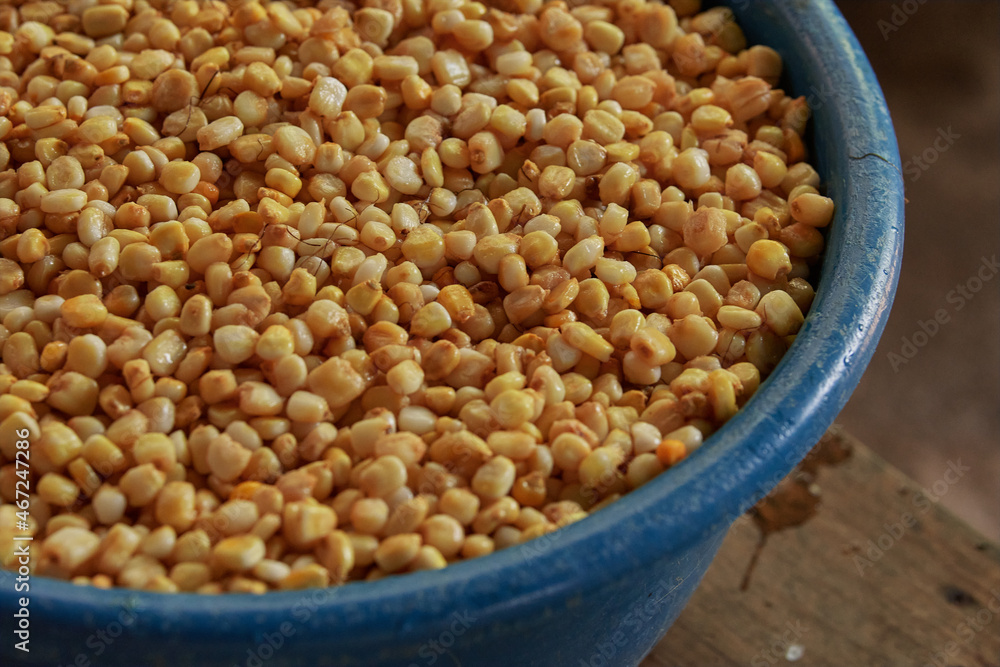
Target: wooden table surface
{"points": [[860, 567]]}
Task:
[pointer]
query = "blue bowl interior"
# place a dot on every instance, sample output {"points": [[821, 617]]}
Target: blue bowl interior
{"points": [[856, 154]]}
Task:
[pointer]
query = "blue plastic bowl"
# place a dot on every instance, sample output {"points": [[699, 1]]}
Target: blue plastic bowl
{"points": [[605, 590]]}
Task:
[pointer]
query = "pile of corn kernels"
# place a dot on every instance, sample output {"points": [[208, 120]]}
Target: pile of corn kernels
{"points": [[301, 293]]}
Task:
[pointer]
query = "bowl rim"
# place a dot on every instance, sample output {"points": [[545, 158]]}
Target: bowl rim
{"points": [[736, 466]]}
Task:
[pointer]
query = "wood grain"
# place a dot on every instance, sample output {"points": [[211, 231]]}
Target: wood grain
{"points": [[880, 575]]}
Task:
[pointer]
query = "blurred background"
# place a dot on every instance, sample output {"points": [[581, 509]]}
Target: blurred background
{"points": [[929, 400]]}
